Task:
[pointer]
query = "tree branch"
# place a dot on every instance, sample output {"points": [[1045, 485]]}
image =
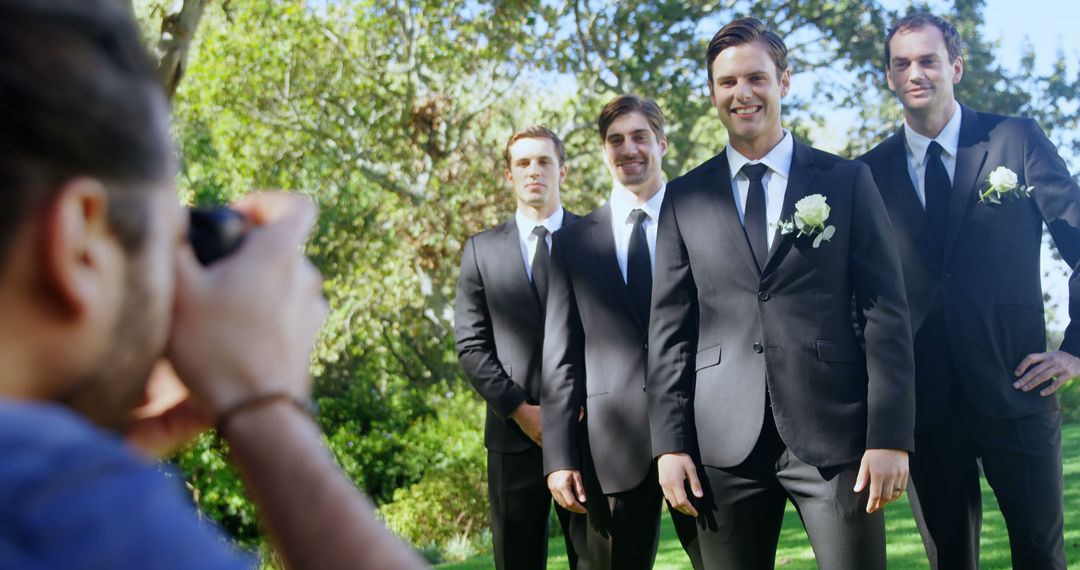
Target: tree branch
{"points": [[177, 32]]}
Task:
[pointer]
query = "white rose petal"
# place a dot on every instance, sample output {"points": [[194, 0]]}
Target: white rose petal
{"points": [[813, 210], [1003, 178]]}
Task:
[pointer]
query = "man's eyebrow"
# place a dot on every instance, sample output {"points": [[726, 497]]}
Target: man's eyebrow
{"points": [[636, 132]]}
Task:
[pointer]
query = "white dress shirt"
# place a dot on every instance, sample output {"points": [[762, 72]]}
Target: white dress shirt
{"points": [[623, 202], [528, 240], [948, 138], [775, 181]]}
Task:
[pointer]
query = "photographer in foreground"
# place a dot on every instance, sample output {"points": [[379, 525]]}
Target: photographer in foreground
{"points": [[98, 282]]}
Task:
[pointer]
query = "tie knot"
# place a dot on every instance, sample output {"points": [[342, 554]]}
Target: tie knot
{"points": [[934, 150], [638, 216], [755, 172], [540, 232]]}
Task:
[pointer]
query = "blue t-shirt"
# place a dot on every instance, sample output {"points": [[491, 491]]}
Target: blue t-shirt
{"points": [[73, 496]]}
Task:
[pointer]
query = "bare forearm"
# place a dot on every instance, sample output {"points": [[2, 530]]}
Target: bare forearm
{"points": [[315, 516]]}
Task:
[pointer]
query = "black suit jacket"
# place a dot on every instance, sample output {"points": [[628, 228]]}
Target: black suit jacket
{"points": [[986, 282], [722, 332], [499, 331], [594, 357]]}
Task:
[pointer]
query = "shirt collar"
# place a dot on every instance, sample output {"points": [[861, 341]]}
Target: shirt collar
{"points": [[948, 138], [623, 201], [778, 159], [526, 224]]}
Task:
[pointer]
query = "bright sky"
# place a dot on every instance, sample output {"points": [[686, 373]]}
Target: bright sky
{"points": [[1049, 25]]}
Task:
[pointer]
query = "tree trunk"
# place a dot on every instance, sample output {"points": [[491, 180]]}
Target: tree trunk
{"points": [[177, 31]]}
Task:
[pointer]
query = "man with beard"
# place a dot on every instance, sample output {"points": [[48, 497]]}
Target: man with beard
{"points": [[595, 349], [97, 282], [753, 355], [499, 328], [968, 193]]}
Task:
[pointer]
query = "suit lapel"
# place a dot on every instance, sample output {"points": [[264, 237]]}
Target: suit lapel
{"points": [[970, 159], [900, 194], [799, 179], [728, 214], [521, 288], [604, 246]]}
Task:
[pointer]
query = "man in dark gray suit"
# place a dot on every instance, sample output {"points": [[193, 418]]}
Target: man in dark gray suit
{"points": [[595, 349], [499, 328], [969, 235], [753, 356]]}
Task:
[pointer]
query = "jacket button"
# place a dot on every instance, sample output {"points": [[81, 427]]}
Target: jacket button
{"points": [[946, 276], [758, 348], [763, 296]]}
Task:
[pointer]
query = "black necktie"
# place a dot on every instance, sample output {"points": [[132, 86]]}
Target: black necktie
{"points": [[937, 187], [754, 223], [540, 262], [638, 268]]}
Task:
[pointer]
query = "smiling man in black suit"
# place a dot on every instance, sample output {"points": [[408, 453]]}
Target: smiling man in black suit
{"points": [[753, 356], [499, 328], [595, 350], [968, 194]]}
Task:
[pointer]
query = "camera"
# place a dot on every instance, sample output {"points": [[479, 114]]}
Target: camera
{"points": [[215, 232]]}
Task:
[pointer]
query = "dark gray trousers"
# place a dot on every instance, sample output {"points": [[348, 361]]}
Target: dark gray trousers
{"points": [[743, 510], [520, 506], [1021, 459]]}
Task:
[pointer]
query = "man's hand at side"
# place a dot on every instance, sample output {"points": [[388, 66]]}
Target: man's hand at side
{"points": [[674, 469], [885, 471], [527, 417], [567, 489]]}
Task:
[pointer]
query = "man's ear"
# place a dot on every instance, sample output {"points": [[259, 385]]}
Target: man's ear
{"points": [[79, 251]]}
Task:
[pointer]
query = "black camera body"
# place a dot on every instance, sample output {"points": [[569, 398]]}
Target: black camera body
{"points": [[215, 232]]}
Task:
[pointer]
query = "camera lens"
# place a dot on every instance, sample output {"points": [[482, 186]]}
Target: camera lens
{"points": [[215, 232]]}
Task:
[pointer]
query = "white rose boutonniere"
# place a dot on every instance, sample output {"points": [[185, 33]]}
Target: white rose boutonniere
{"points": [[809, 220], [1004, 184]]}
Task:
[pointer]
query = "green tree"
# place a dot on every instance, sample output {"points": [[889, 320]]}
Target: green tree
{"points": [[392, 115]]}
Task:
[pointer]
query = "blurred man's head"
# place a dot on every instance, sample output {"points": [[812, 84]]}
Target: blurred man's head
{"points": [[632, 130], [536, 167], [88, 219], [748, 76], [923, 63]]}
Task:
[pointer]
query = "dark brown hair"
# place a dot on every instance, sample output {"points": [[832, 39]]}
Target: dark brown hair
{"points": [[743, 31], [953, 44], [80, 98], [535, 132], [625, 104]]}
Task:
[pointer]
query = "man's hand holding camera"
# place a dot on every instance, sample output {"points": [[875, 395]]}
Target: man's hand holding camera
{"points": [[243, 327]]}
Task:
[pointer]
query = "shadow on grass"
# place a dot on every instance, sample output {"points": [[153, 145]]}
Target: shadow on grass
{"points": [[905, 549]]}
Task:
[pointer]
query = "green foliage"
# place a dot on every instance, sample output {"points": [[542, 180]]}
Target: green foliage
{"points": [[392, 115], [448, 506], [1069, 396], [218, 490]]}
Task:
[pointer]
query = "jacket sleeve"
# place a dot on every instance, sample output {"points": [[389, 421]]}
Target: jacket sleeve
{"points": [[563, 387], [672, 340], [475, 340], [1057, 196], [881, 303]]}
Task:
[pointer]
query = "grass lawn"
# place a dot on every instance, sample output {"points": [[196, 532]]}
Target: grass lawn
{"points": [[904, 546]]}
